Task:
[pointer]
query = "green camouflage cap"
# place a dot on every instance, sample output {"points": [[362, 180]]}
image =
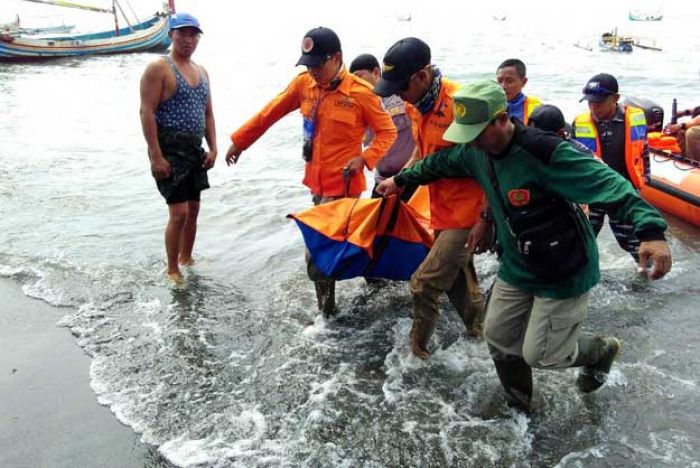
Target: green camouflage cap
{"points": [[475, 106]]}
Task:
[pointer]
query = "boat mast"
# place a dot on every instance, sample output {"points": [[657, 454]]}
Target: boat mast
{"points": [[116, 19]]}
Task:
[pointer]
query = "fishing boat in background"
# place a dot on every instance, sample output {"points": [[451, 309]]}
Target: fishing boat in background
{"points": [[612, 42], [642, 15], [147, 35]]}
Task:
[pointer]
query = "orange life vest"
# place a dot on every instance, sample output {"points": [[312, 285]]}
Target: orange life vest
{"points": [[635, 136], [661, 141], [529, 105]]}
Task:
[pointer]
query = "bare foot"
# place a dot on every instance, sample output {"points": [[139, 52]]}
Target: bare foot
{"points": [[176, 277], [187, 262]]}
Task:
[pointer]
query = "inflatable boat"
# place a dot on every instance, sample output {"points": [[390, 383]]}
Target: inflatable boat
{"points": [[674, 185]]}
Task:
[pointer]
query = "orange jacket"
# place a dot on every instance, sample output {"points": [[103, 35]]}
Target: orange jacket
{"points": [[342, 117], [454, 203]]}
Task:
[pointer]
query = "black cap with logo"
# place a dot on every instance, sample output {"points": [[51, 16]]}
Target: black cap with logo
{"points": [[599, 88], [317, 46], [401, 61]]}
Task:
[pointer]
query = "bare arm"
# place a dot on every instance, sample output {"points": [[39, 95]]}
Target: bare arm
{"points": [[209, 129], [675, 128], [151, 88]]}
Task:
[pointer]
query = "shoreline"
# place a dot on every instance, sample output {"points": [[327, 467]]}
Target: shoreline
{"points": [[49, 414]]}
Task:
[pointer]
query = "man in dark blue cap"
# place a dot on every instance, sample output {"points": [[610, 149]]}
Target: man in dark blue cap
{"points": [[455, 204], [176, 113], [336, 107], [617, 135]]}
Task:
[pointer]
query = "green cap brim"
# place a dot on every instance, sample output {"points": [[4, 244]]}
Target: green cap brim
{"points": [[461, 133]]}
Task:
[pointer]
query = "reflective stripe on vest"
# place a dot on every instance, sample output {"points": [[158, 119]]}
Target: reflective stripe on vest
{"points": [[635, 135]]}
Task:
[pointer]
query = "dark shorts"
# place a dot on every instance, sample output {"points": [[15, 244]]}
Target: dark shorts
{"points": [[184, 191]]}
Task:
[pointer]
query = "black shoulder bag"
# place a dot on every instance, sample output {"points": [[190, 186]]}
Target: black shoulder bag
{"points": [[549, 234]]}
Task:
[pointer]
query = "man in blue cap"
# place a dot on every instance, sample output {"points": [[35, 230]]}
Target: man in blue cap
{"points": [[549, 258], [176, 114]]}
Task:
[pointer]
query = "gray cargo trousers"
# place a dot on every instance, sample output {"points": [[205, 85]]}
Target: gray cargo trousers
{"points": [[543, 331]]}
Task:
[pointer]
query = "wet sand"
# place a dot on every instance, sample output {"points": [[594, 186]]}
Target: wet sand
{"points": [[49, 415]]}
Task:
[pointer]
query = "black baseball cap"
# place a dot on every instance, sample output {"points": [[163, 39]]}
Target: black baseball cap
{"points": [[401, 61], [317, 46], [599, 88], [547, 117], [364, 62]]}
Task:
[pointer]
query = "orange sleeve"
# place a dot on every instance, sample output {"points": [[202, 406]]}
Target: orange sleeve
{"points": [[381, 124], [281, 105]]}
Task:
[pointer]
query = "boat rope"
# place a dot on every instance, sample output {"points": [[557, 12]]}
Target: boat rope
{"points": [[679, 162], [116, 2], [128, 3]]}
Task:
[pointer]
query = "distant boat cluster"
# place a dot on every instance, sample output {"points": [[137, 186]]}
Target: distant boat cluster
{"points": [[611, 41]]}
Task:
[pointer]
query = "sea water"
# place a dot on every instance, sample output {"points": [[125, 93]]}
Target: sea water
{"points": [[237, 368]]}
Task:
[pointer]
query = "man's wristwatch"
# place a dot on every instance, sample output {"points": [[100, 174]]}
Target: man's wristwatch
{"points": [[683, 126], [487, 215]]}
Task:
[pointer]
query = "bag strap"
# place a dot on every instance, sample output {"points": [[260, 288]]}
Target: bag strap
{"points": [[572, 207], [494, 184], [384, 240], [346, 181]]}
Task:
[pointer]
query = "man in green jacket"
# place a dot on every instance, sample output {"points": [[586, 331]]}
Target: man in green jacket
{"points": [[534, 318]]}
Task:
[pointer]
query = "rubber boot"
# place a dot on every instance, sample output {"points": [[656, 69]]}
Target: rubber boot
{"points": [[325, 289], [596, 355], [421, 331], [516, 377], [469, 304], [473, 319]]}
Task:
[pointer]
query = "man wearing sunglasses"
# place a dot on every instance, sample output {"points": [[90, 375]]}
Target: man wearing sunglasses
{"points": [[336, 107], [534, 317], [617, 135], [455, 204]]}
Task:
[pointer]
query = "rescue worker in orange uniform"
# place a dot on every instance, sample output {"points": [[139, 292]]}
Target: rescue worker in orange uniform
{"points": [[336, 107], [511, 75], [617, 135], [455, 204]]}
